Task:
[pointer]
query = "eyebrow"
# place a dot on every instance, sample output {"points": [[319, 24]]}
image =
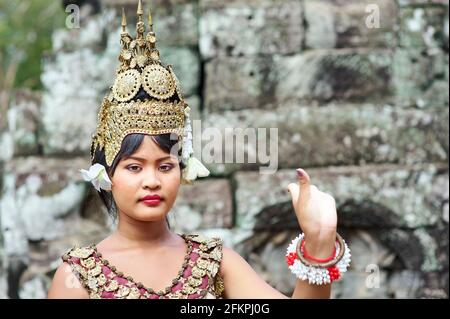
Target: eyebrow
{"points": [[140, 159]]}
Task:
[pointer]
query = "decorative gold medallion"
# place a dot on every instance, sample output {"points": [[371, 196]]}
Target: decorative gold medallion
{"points": [[158, 82], [126, 86]]}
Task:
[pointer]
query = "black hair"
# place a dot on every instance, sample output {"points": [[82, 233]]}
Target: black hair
{"points": [[130, 145]]}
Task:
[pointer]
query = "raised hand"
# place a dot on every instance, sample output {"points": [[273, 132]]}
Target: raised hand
{"points": [[316, 214]]}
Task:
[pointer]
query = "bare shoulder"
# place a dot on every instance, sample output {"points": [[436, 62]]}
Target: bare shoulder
{"points": [[229, 259], [241, 280], [65, 285]]}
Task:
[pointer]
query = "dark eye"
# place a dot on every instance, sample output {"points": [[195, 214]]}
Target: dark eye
{"points": [[133, 168], [166, 168]]}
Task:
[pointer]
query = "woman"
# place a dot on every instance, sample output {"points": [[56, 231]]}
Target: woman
{"points": [[138, 168]]}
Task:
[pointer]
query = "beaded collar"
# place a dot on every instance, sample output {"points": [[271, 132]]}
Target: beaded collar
{"points": [[139, 284]]}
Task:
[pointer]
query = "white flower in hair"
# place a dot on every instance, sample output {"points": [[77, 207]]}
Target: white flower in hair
{"points": [[194, 169], [98, 176]]}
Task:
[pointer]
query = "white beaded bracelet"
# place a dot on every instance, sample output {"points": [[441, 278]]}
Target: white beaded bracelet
{"points": [[313, 273]]}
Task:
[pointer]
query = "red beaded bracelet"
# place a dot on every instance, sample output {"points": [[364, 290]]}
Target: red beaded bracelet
{"points": [[318, 260]]}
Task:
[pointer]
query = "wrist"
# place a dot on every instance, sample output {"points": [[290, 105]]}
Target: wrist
{"points": [[320, 248]]}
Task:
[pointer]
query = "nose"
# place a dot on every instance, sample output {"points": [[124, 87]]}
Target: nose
{"points": [[151, 180]]}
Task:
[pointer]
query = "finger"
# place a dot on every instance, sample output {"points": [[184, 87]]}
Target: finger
{"points": [[304, 182]]}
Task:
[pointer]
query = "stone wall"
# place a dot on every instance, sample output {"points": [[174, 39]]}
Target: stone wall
{"points": [[364, 110]]}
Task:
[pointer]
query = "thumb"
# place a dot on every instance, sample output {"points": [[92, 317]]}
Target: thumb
{"points": [[304, 182]]}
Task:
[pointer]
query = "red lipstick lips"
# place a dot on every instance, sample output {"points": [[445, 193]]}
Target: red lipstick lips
{"points": [[151, 200]]}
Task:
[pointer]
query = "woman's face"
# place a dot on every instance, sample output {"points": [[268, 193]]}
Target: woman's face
{"points": [[149, 171]]}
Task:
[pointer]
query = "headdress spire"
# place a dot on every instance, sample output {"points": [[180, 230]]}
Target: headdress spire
{"points": [[140, 12], [140, 26], [150, 20], [124, 21]]}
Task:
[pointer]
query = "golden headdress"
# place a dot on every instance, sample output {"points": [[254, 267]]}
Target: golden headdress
{"points": [[163, 110]]}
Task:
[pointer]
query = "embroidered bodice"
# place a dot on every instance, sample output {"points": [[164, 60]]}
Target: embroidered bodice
{"points": [[199, 276]]}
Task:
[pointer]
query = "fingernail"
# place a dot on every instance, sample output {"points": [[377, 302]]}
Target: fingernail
{"points": [[300, 173]]}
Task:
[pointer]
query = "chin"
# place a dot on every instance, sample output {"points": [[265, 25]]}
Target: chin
{"points": [[150, 214]]}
